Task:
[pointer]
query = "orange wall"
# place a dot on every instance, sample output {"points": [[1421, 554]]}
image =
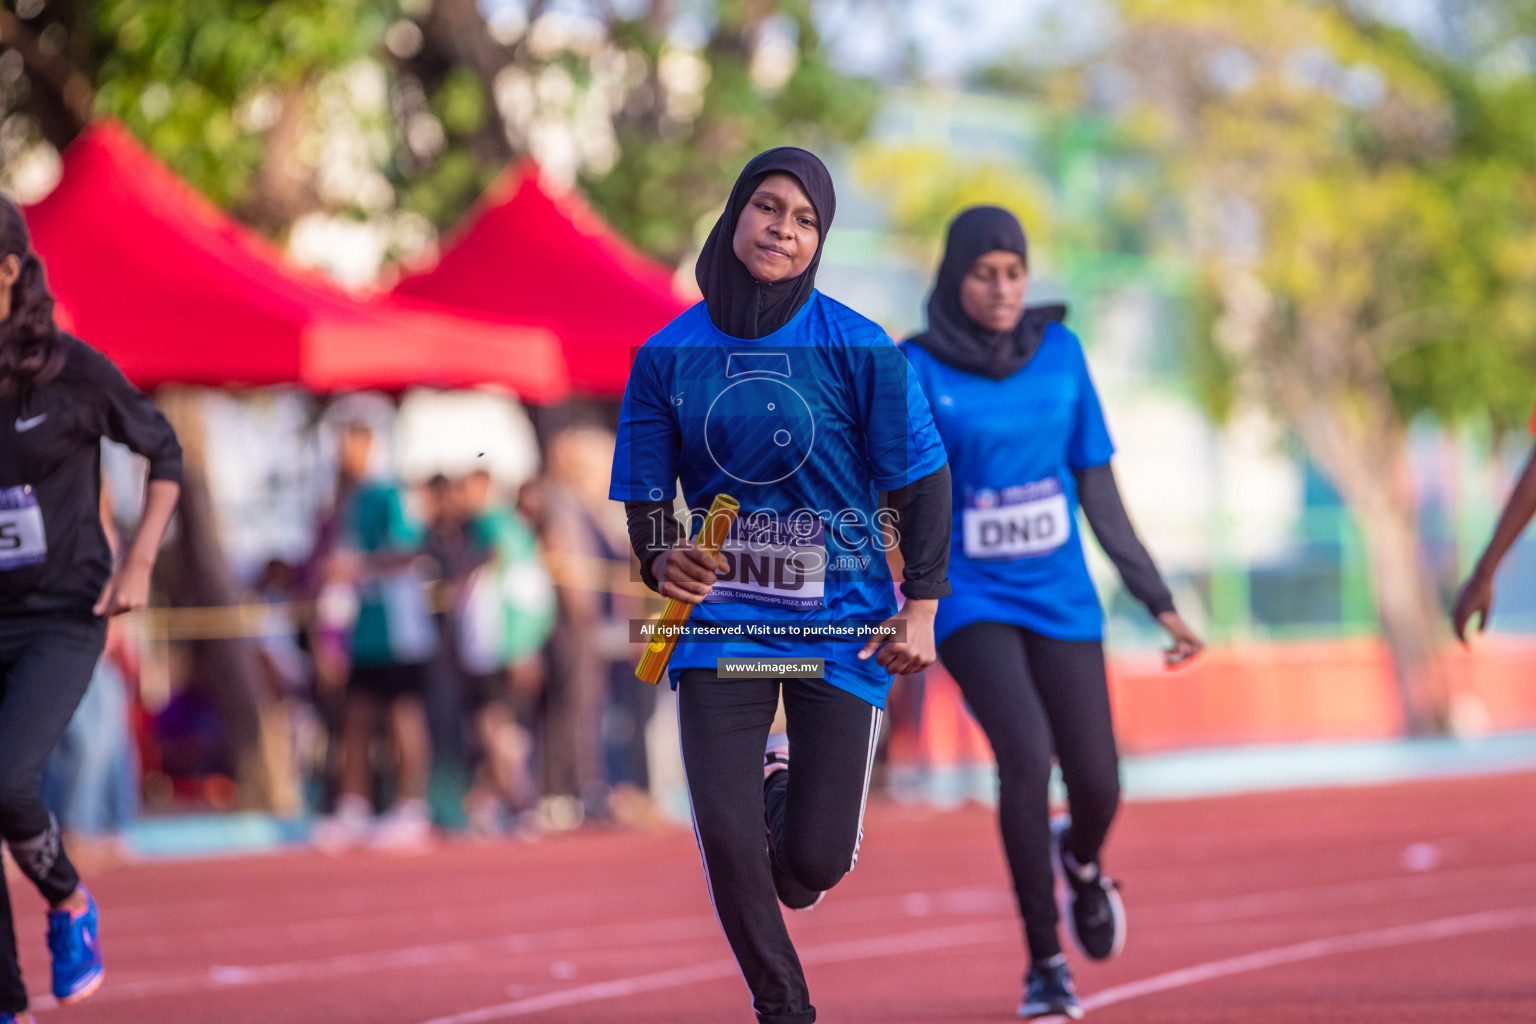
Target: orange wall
{"points": [[1260, 693]]}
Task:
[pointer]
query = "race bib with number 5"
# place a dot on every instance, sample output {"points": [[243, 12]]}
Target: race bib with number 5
{"points": [[1018, 522], [22, 540]]}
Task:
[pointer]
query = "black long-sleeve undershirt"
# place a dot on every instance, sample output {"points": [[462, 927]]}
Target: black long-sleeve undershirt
{"points": [[924, 513], [922, 519], [1099, 497], [652, 529]]}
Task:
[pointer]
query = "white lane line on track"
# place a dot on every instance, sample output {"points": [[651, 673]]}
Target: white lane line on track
{"points": [[833, 952], [1394, 889], [1381, 938], [955, 901], [330, 931], [940, 938], [350, 910], [220, 976]]}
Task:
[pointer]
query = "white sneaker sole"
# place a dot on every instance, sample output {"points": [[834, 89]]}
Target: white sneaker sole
{"points": [[801, 910], [778, 744], [1117, 914], [1042, 1012], [1059, 825], [85, 991]]}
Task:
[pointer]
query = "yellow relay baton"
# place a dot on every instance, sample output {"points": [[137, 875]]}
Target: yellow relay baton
{"points": [[717, 526]]}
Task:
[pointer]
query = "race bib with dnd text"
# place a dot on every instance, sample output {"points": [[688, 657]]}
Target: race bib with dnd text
{"points": [[1017, 522], [773, 564]]}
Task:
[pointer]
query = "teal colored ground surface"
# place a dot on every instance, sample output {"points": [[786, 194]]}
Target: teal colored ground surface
{"points": [[1196, 773], [1223, 771]]}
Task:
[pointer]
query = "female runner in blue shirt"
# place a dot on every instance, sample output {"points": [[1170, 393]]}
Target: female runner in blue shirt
{"points": [[804, 411], [1022, 634], [58, 398]]}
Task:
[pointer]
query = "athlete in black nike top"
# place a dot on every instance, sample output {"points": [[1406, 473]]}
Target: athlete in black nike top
{"points": [[58, 585]]}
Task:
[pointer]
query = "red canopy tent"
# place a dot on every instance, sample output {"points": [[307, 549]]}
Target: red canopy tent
{"points": [[530, 252], [175, 291]]}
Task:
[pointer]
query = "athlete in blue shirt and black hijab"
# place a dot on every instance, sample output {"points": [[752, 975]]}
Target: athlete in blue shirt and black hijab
{"points": [[804, 412], [1022, 635]]}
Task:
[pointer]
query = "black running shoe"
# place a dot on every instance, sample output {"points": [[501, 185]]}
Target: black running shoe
{"points": [[1049, 992], [1095, 914], [790, 892]]}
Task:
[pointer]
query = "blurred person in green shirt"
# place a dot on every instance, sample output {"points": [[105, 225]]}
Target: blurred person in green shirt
{"points": [[393, 642], [505, 611]]}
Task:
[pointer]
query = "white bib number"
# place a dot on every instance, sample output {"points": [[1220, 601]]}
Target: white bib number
{"points": [[1019, 522], [773, 565], [22, 538]]}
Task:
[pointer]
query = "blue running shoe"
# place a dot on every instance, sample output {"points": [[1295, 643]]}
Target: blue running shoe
{"points": [[1049, 992], [11, 1018], [74, 941]]}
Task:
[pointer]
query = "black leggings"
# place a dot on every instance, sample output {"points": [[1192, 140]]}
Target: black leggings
{"points": [[46, 662], [1034, 695], [816, 814]]}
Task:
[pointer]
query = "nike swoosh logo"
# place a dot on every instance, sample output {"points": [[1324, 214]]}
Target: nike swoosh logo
{"points": [[22, 426]]}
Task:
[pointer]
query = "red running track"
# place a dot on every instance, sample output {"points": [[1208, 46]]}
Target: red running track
{"points": [[1402, 903]]}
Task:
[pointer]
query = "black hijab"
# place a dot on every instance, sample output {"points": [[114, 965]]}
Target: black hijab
{"points": [[739, 304], [952, 336]]}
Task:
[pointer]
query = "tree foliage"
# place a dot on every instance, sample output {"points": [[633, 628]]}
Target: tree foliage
{"points": [[674, 169], [373, 108], [1361, 205], [220, 89], [1383, 194], [925, 186]]}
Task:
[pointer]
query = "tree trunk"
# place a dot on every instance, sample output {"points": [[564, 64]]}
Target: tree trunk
{"points": [[1366, 458], [60, 94], [255, 724], [283, 189], [1323, 378], [456, 36], [1411, 620]]}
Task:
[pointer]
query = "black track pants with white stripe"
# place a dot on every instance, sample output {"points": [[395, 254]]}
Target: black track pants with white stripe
{"points": [[815, 825]]}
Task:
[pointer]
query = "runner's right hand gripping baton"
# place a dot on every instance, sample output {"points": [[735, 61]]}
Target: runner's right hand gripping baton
{"points": [[717, 525]]}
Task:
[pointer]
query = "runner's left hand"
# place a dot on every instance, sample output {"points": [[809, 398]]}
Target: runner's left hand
{"points": [[1475, 600], [126, 591], [915, 653], [1186, 645]]}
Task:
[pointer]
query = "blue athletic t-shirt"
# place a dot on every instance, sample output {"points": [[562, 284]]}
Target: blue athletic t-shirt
{"points": [[1016, 554], [804, 427]]}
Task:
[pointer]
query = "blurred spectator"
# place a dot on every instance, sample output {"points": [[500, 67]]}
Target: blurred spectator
{"points": [[448, 558], [446, 544], [326, 580], [189, 737], [393, 642], [283, 650], [589, 553], [284, 661], [505, 610], [91, 779]]}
